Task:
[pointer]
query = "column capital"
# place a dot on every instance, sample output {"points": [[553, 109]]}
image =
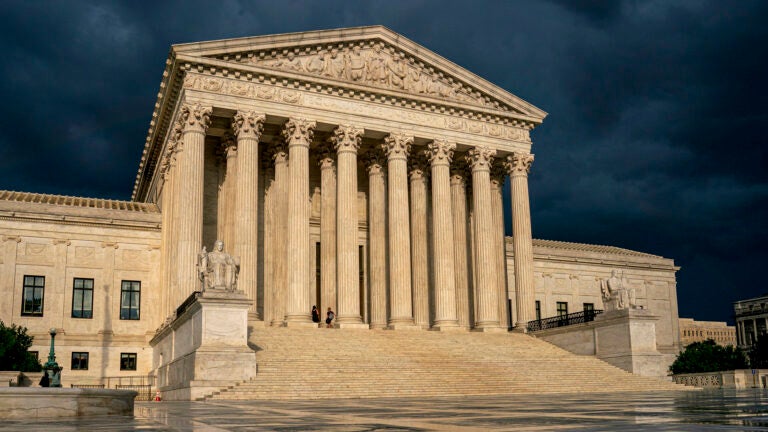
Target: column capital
{"points": [[195, 118], [480, 158], [229, 146], [325, 155], [440, 152], [460, 173], [279, 152], [248, 124], [498, 172], [519, 164], [298, 132], [347, 138], [374, 160], [397, 146], [418, 166]]}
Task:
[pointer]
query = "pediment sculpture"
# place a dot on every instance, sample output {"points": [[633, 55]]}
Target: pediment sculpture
{"points": [[377, 65], [217, 269], [618, 294]]}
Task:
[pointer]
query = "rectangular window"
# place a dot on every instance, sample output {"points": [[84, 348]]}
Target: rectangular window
{"points": [[128, 361], [32, 297], [82, 298], [589, 307], [130, 300], [562, 309], [34, 354], [79, 361], [538, 310]]}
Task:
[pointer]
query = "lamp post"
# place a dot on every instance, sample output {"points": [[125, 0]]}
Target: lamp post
{"points": [[51, 367]]}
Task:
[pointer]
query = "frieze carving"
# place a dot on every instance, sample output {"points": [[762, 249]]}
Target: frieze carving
{"points": [[373, 64], [240, 88], [296, 97], [347, 138]]}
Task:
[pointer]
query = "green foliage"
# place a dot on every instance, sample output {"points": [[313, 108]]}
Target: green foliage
{"points": [[14, 343], [708, 356], [758, 355]]}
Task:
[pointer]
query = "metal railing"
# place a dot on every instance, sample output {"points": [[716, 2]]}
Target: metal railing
{"points": [[563, 320], [143, 384], [87, 386]]}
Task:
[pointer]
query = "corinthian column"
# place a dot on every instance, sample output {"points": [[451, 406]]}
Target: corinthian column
{"points": [[194, 120], [268, 300], [298, 135], [480, 159], [519, 165], [497, 208], [397, 147], [226, 215], [461, 248], [280, 281], [248, 126], [347, 141], [377, 232], [167, 171], [419, 245], [440, 155], [327, 229]]}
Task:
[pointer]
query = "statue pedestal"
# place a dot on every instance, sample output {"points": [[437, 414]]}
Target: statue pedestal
{"points": [[205, 348], [627, 339], [624, 338]]}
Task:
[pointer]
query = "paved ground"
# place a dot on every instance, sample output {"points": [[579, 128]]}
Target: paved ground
{"points": [[679, 411]]}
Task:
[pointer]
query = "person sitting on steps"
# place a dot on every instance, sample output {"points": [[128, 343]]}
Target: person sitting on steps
{"points": [[329, 316]]}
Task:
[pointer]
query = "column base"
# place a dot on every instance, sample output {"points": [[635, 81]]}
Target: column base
{"points": [[358, 326], [254, 316], [520, 328], [378, 326], [449, 328]]}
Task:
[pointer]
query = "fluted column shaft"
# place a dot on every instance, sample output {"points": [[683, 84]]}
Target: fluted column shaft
{"points": [[377, 231], [195, 119], [419, 242], [166, 245], [440, 154], [298, 135], [269, 237], [519, 165], [327, 231], [280, 278], [461, 248], [347, 141], [497, 208], [227, 204], [397, 147], [248, 126], [480, 159]]}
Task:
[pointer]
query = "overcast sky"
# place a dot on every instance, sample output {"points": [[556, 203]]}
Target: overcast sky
{"points": [[655, 139]]}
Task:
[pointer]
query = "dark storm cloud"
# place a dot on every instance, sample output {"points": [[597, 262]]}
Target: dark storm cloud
{"points": [[655, 139]]}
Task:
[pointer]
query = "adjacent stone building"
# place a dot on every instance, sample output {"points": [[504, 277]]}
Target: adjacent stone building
{"points": [[751, 317], [350, 169], [698, 331]]}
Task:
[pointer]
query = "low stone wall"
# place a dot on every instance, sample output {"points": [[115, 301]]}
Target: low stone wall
{"points": [[38, 402], [735, 379]]}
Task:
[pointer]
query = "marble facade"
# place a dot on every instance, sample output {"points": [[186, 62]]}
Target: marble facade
{"points": [[350, 169]]}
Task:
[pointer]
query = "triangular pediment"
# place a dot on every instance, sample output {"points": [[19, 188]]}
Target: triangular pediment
{"points": [[374, 58]]}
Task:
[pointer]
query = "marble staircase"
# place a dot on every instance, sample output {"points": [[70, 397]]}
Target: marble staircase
{"points": [[329, 363]]}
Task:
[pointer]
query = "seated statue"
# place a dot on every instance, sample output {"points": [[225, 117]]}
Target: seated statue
{"points": [[617, 293], [217, 269]]}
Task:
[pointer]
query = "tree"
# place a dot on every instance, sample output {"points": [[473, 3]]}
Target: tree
{"points": [[758, 354], [708, 356], [14, 343]]}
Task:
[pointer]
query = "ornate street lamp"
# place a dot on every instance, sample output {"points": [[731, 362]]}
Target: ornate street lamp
{"points": [[51, 367]]}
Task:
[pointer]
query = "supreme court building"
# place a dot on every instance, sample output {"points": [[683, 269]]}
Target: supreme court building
{"points": [[350, 169]]}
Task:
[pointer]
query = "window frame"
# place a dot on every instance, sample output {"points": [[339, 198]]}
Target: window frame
{"points": [[538, 310], [33, 287], [82, 355], [82, 296], [128, 356], [559, 310], [131, 293]]}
